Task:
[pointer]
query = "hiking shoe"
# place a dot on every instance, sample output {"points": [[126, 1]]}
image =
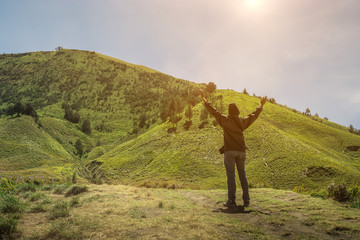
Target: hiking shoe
{"points": [[246, 204], [230, 203]]}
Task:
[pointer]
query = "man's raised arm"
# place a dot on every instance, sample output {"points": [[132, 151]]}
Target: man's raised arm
{"points": [[254, 115], [218, 116]]}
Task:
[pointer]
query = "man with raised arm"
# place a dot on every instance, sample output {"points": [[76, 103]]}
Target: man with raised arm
{"points": [[234, 145]]}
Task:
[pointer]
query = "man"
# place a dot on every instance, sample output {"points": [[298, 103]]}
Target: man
{"points": [[234, 145]]}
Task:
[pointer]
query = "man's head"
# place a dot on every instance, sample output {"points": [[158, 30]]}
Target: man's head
{"points": [[233, 109]]}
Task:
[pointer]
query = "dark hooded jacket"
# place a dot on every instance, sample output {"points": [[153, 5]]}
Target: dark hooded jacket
{"points": [[233, 127]]}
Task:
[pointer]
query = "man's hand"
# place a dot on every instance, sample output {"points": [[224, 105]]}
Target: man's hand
{"points": [[202, 95], [263, 101]]}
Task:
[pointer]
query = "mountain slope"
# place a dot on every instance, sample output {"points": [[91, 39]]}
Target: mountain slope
{"points": [[114, 94], [286, 150], [138, 121], [25, 146]]}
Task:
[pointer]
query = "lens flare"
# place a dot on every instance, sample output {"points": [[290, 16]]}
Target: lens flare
{"points": [[253, 3]]}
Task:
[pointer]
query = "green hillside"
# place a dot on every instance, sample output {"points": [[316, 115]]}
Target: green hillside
{"points": [[139, 131], [286, 150]]}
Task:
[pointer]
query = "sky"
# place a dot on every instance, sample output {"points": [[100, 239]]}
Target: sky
{"points": [[303, 53]]}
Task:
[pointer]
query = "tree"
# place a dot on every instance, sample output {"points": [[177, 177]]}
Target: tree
{"points": [[135, 128], [245, 92], [142, 120], [351, 128], [86, 127], [272, 100], [75, 117], [164, 114], [221, 106], [29, 110], [71, 116], [204, 114], [79, 148], [172, 109], [189, 112], [10, 111], [19, 108], [179, 106], [211, 87], [68, 114]]}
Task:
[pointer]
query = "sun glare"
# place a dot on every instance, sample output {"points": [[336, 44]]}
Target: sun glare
{"points": [[253, 3]]}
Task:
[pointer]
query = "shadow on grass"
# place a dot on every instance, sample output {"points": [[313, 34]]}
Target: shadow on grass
{"points": [[237, 209]]}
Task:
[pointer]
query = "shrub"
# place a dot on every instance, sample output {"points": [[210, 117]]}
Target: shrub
{"points": [[75, 190], [36, 196], [355, 204], [38, 208], [354, 193], [27, 187], [79, 148], [60, 189], [202, 125], [7, 226], [210, 87], [10, 204], [74, 201], [300, 189], [63, 230], [319, 194], [272, 100], [47, 187], [338, 192], [86, 127], [60, 209], [7, 186], [172, 130], [187, 125]]}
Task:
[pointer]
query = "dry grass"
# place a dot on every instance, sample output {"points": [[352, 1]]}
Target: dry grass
{"points": [[126, 212]]}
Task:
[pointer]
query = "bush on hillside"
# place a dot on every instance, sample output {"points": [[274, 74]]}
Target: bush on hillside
{"points": [[60, 209], [26, 187], [79, 148], [71, 116], [272, 100], [338, 192], [86, 127], [21, 109], [7, 226], [59, 189], [211, 87], [76, 190], [7, 185], [202, 125], [187, 125], [10, 204]]}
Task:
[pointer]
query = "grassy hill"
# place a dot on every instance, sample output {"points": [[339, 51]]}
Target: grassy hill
{"points": [[132, 138], [286, 150]]}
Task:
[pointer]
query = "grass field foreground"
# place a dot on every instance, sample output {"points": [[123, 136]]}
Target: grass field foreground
{"points": [[128, 212]]}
